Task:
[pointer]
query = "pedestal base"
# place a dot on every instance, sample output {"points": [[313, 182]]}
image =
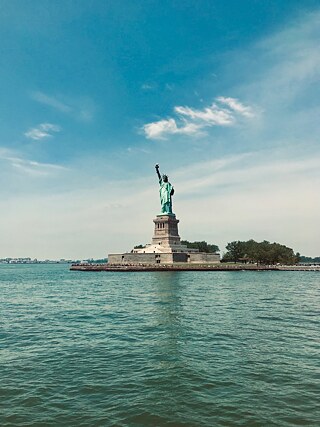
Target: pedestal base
{"points": [[166, 231]]}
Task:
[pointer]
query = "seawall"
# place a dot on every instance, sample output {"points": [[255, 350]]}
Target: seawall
{"points": [[190, 267]]}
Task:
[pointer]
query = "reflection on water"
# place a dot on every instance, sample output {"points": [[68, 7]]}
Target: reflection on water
{"points": [[158, 349], [168, 308]]}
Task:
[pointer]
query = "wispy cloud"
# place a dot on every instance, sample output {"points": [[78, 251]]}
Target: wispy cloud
{"points": [[242, 170], [259, 187], [44, 130], [152, 86], [80, 108], [193, 122], [31, 167], [280, 75], [34, 168], [209, 116], [148, 86], [169, 86], [51, 102], [239, 197], [236, 106]]}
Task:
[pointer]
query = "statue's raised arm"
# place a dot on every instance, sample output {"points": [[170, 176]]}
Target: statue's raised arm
{"points": [[166, 193], [157, 170]]}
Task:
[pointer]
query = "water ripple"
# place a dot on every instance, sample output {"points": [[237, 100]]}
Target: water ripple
{"points": [[158, 349]]}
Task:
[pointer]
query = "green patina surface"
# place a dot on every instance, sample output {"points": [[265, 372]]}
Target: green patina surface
{"points": [[165, 196]]}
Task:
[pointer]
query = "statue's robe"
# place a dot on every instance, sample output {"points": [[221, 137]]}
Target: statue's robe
{"points": [[165, 195]]}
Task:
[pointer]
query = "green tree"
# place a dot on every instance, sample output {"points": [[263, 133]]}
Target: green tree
{"points": [[235, 251], [202, 246], [308, 259], [260, 252]]}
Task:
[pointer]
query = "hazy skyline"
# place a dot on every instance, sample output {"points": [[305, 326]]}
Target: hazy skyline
{"points": [[225, 99]]}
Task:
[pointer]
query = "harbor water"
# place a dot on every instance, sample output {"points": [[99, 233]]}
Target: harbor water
{"points": [[158, 348]]}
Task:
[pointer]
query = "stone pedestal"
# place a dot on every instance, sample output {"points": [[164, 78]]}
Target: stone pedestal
{"points": [[166, 231], [165, 248]]}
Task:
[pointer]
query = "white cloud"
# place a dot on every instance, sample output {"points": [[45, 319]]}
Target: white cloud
{"points": [[237, 106], [210, 116], [193, 122], [44, 130], [159, 129], [162, 128]]}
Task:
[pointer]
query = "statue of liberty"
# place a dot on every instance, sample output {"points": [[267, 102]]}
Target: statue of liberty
{"points": [[166, 193]]}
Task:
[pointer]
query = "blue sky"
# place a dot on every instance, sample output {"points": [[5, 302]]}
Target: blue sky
{"points": [[224, 95]]}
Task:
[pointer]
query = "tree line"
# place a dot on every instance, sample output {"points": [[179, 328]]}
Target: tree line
{"points": [[308, 259], [202, 246], [260, 252], [249, 251]]}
